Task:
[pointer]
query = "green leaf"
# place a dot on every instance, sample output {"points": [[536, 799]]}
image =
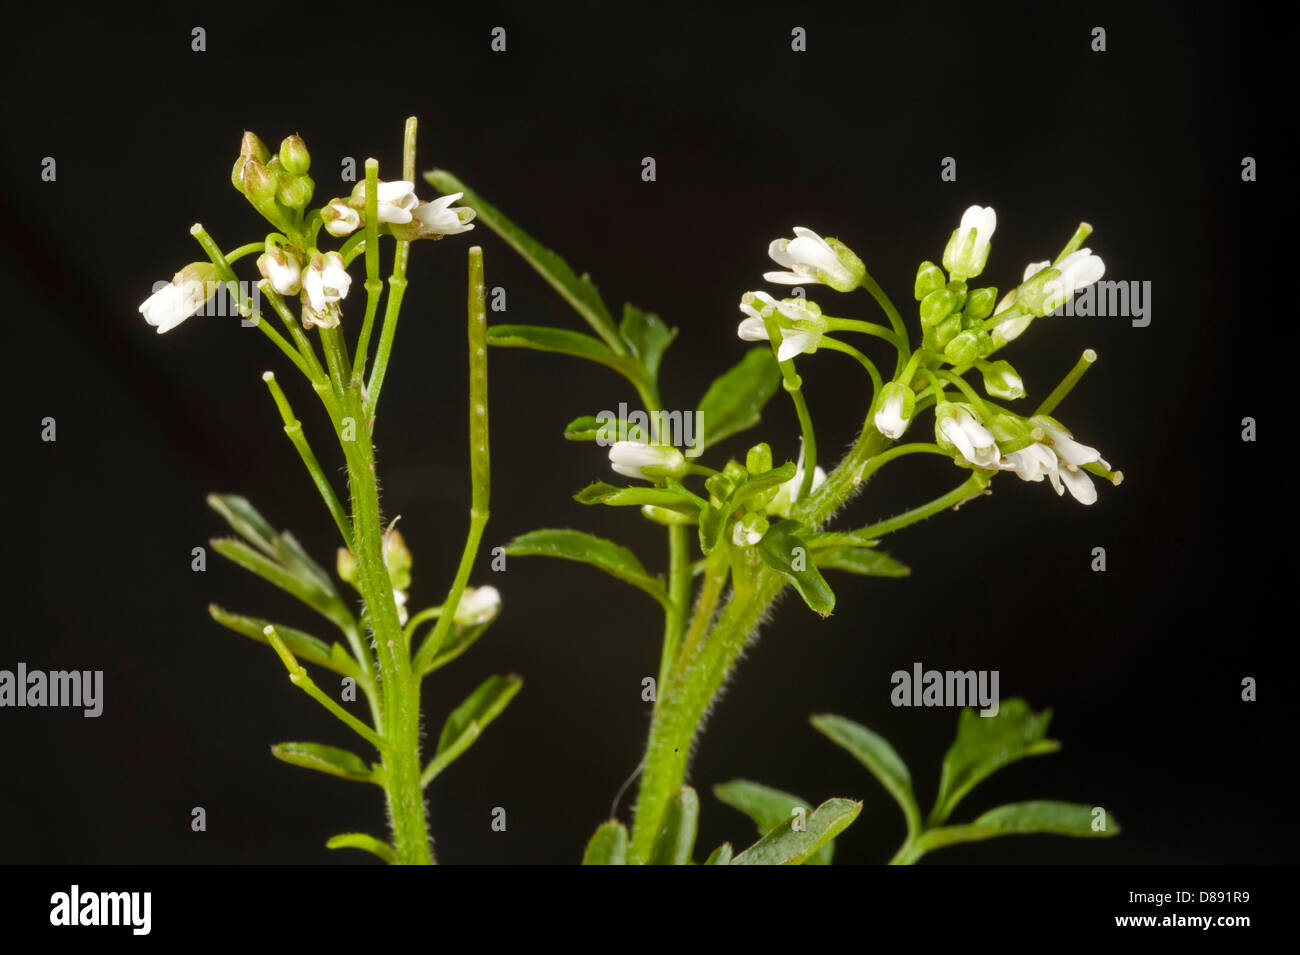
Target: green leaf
{"points": [[714, 520], [579, 292], [768, 808], [735, 400], [647, 337], [560, 340], [359, 840], [467, 722], [1024, 818], [787, 554], [304, 646], [608, 846], [785, 845], [602, 493], [283, 548], [325, 602], [676, 839], [325, 759], [720, 855], [985, 744], [860, 560], [874, 752], [589, 549]]}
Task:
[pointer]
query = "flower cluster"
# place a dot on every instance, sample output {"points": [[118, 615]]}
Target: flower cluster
{"points": [[290, 261]]}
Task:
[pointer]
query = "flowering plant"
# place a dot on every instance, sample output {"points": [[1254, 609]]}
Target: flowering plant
{"points": [[760, 525]]}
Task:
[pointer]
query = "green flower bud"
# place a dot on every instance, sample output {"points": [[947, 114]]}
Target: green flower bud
{"points": [[947, 330], [258, 181], [719, 487], [929, 278], [968, 248], [294, 156], [937, 306], [979, 303], [962, 348], [1002, 381], [296, 191], [735, 471], [252, 146], [958, 288], [397, 558], [346, 565], [759, 459]]}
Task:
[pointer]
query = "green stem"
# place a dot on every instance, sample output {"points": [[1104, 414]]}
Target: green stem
{"points": [[373, 283], [866, 328], [895, 319], [973, 485], [874, 373], [1067, 383], [479, 456]]}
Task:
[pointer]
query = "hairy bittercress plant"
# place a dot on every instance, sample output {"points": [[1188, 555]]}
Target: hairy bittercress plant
{"points": [[383, 654], [761, 526]]}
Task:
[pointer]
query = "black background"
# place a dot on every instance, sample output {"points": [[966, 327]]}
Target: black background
{"points": [[1142, 664]]}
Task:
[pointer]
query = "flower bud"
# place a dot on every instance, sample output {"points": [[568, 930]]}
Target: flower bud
{"points": [[340, 218], [346, 565], [958, 431], [719, 487], [894, 409], [758, 459], [962, 349], [929, 278], [1002, 381], [958, 288], [398, 558], [649, 462], [296, 191], [937, 306], [979, 303], [749, 530], [968, 248], [259, 182], [253, 147], [947, 330], [282, 268], [477, 606], [294, 157]]}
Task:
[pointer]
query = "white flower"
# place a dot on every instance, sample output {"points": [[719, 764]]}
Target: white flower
{"points": [[956, 427], [477, 605], [788, 492], [394, 201], [1073, 453], [327, 281], [800, 323], [810, 258], [340, 218], [1033, 268], [1046, 287], [1033, 463], [631, 458], [968, 247], [1078, 270], [1009, 329], [439, 218], [282, 268], [189, 290], [895, 412]]}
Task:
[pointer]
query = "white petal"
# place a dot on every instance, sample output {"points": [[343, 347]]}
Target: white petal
{"points": [[1080, 486], [795, 343], [752, 330], [786, 278]]}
